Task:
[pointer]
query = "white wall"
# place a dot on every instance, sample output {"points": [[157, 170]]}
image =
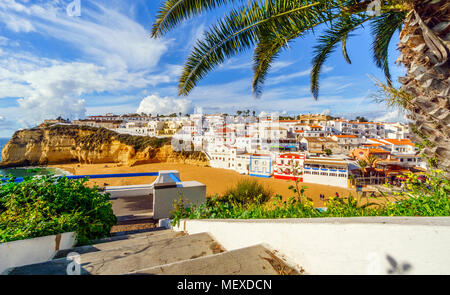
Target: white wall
{"points": [[141, 189], [163, 198], [326, 180], [354, 246], [30, 251]]}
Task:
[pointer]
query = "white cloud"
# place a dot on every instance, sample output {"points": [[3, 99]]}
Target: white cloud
{"points": [[6, 124], [116, 53], [50, 88], [284, 78], [392, 116], [103, 34], [17, 24], [154, 104]]}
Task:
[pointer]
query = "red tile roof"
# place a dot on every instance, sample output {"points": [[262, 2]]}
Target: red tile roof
{"points": [[378, 151], [346, 136], [399, 142]]}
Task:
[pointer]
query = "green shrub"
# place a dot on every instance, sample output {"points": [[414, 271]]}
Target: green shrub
{"points": [[429, 197], [47, 205], [249, 191]]}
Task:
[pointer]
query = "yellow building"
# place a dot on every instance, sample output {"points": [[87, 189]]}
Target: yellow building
{"points": [[312, 119]]}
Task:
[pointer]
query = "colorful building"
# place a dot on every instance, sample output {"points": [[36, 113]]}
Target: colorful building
{"points": [[286, 164], [260, 165]]}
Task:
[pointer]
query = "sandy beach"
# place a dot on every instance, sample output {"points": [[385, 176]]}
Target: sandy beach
{"points": [[217, 180]]}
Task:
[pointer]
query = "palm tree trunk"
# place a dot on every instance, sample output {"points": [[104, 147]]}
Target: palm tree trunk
{"points": [[425, 52]]}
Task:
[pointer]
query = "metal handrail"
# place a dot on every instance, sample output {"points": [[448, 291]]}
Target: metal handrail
{"points": [[96, 176]]}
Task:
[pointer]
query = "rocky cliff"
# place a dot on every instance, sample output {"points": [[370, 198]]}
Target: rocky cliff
{"points": [[69, 143]]}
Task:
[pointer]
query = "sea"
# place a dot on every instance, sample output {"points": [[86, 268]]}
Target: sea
{"points": [[25, 171]]}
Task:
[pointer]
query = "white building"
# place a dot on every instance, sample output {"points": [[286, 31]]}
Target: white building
{"points": [[397, 131], [326, 171], [360, 129], [243, 163], [223, 156], [153, 127], [134, 128]]}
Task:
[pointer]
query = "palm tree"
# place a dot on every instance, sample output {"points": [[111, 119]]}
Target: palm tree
{"points": [[372, 160], [269, 26], [362, 164]]}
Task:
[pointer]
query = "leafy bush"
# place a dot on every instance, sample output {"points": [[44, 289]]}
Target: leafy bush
{"points": [[47, 205], [249, 191], [420, 198]]}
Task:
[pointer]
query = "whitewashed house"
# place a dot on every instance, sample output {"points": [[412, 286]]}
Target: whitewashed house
{"points": [[153, 127], [326, 171], [223, 156], [243, 163]]}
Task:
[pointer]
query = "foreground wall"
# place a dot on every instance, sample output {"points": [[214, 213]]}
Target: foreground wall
{"points": [[359, 245], [36, 250], [164, 197]]}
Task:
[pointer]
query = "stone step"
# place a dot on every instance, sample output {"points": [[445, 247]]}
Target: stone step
{"points": [[118, 242], [131, 257], [133, 234], [255, 260]]}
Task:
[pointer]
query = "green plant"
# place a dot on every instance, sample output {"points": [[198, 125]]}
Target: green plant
{"points": [[249, 191], [49, 205], [428, 197]]}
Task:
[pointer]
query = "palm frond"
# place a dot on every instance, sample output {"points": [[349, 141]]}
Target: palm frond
{"points": [[265, 53], [172, 12], [383, 28], [344, 48], [242, 28], [327, 44]]}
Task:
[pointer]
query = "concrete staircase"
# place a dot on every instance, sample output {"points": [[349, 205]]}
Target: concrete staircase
{"points": [[162, 251]]}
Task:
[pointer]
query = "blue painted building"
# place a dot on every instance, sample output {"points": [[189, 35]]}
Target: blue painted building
{"points": [[260, 165]]}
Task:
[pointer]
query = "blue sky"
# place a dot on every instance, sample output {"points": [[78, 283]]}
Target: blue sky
{"points": [[103, 61]]}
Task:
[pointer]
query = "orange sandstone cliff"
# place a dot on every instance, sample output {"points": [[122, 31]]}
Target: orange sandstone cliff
{"points": [[60, 144]]}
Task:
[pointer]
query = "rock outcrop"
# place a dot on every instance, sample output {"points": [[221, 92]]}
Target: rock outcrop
{"points": [[61, 144]]}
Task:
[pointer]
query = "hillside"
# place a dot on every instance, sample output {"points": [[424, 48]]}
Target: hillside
{"points": [[61, 144]]}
